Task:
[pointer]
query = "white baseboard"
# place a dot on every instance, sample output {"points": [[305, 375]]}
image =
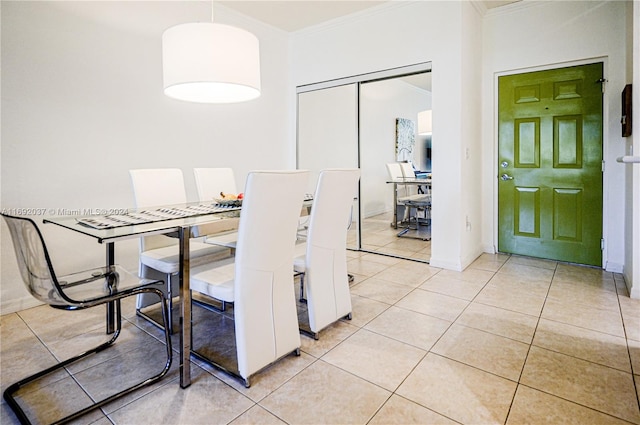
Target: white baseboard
{"points": [[446, 264], [614, 267], [11, 306], [634, 290], [466, 261], [370, 214], [489, 248]]}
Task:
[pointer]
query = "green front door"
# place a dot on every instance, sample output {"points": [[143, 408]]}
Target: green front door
{"points": [[550, 164]]}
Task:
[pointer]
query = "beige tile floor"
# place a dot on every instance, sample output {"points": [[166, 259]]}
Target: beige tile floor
{"points": [[511, 340]]}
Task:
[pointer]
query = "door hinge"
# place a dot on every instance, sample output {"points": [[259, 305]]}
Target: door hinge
{"points": [[603, 81], [603, 165], [602, 244]]}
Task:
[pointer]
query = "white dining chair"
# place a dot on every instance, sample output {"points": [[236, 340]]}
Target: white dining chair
{"points": [[159, 255], [407, 170], [260, 284], [210, 182], [323, 267]]}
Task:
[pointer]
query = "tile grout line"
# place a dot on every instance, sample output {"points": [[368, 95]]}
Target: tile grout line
{"points": [[626, 337], [524, 364]]}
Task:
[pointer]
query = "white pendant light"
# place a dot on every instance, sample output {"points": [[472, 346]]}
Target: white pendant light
{"points": [[424, 123], [210, 63]]}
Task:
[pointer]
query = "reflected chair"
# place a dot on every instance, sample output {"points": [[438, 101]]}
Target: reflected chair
{"points": [[159, 256], [76, 291], [405, 197], [323, 268], [407, 170], [394, 170], [260, 284], [210, 182], [423, 199]]}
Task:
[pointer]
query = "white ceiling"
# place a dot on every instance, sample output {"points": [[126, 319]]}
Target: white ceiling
{"points": [[293, 15]]}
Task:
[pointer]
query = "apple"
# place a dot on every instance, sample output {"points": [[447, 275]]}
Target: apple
{"points": [[240, 195]]}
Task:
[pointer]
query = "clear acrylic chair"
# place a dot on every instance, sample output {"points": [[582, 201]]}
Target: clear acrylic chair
{"points": [[76, 291]]}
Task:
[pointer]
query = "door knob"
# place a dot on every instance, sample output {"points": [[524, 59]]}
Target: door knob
{"points": [[506, 177]]}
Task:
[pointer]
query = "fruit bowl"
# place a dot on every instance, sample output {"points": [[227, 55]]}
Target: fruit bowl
{"points": [[229, 202]]}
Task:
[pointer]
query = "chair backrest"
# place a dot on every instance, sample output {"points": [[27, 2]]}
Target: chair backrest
{"points": [[211, 181], [156, 187], [326, 280], [407, 170], [394, 169], [408, 173], [266, 319], [34, 261]]}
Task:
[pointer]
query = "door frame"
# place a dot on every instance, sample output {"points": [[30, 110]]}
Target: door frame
{"points": [[605, 141]]}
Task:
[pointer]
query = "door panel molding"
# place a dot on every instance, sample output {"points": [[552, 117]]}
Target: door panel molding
{"points": [[527, 212], [527, 143], [567, 202], [567, 141]]}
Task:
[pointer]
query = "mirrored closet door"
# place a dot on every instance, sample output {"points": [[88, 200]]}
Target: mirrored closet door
{"points": [[369, 123]]}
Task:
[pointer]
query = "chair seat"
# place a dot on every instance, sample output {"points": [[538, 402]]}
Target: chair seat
{"points": [[299, 264], [417, 204], [88, 286], [216, 282], [166, 259], [228, 240], [415, 198]]}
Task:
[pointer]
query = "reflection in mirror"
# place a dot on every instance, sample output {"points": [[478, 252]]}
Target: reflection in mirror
{"points": [[389, 134], [369, 123]]}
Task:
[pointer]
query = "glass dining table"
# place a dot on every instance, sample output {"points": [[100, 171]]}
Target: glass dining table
{"points": [[183, 221]]}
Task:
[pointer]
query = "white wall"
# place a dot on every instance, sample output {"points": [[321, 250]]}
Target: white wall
{"points": [[532, 35], [82, 103], [632, 198], [470, 156]]}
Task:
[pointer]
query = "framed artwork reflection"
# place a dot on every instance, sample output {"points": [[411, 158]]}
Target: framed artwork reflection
{"points": [[405, 139]]}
